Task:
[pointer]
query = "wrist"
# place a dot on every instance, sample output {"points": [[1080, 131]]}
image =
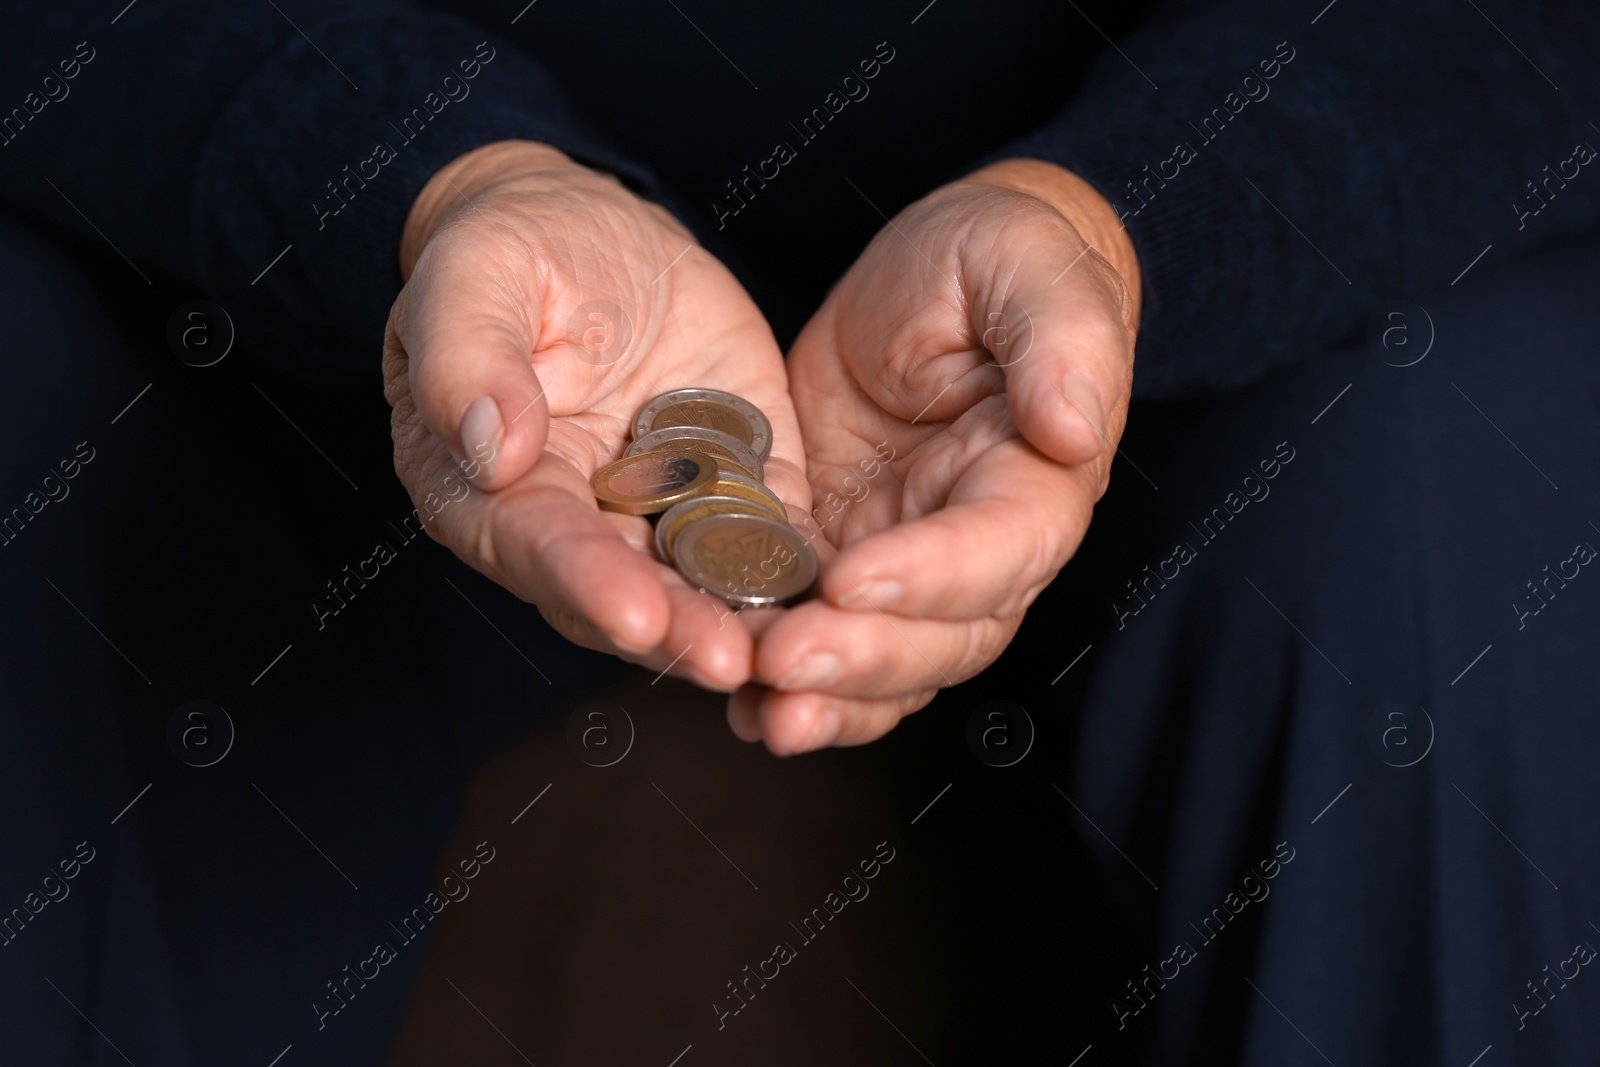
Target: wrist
{"points": [[1091, 214], [454, 185]]}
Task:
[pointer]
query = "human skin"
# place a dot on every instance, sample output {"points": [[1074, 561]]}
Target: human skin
{"points": [[987, 335], [493, 349]]}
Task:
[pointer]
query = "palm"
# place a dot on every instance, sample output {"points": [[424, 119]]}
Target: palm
{"points": [[943, 420], [610, 312], [948, 346]]}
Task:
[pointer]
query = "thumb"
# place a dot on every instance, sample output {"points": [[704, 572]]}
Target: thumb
{"points": [[469, 332], [1066, 353]]}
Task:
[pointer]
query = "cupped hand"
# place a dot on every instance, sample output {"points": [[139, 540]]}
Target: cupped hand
{"points": [[960, 392], [544, 305]]}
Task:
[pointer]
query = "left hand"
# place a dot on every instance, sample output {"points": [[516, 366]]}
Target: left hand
{"points": [[984, 340]]}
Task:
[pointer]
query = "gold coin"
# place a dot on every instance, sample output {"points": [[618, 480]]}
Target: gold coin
{"points": [[679, 515], [731, 482], [729, 450], [651, 482], [746, 559], [708, 409]]}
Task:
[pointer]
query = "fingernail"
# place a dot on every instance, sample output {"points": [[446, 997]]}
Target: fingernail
{"points": [[878, 593], [813, 672], [1082, 394], [481, 432], [824, 728]]}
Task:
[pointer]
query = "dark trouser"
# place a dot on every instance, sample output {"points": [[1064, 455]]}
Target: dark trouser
{"points": [[1322, 630], [1345, 720]]}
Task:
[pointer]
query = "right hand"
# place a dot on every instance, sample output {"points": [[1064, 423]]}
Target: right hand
{"points": [[498, 362]]}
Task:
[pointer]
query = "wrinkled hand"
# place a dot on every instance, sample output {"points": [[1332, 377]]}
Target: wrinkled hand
{"points": [[984, 341], [545, 304]]}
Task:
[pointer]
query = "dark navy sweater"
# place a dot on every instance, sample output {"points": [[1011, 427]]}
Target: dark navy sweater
{"points": [[1282, 169]]}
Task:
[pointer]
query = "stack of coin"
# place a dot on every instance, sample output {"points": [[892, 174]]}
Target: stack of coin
{"points": [[695, 464]]}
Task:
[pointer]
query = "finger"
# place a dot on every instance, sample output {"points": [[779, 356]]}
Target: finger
{"points": [[705, 643], [468, 323], [593, 577], [1060, 338], [546, 541], [867, 654], [987, 548], [792, 723]]}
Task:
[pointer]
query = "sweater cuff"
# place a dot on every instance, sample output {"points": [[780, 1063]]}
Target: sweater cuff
{"points": [[302, 206]]}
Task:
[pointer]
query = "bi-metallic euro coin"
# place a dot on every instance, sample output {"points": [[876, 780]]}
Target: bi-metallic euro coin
{"points": [[729, 450], [675, 518], [651, 482], [746, 559], [707, 409], [732, 483]]}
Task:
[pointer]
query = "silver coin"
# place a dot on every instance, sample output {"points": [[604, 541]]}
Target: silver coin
{"points": [[723, 446], [692, 407], [745, 559]]}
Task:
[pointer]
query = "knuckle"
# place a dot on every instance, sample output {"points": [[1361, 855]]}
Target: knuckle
{"points": [[1120, 297], [430, 381], [975, 650], [1104, 330]]}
